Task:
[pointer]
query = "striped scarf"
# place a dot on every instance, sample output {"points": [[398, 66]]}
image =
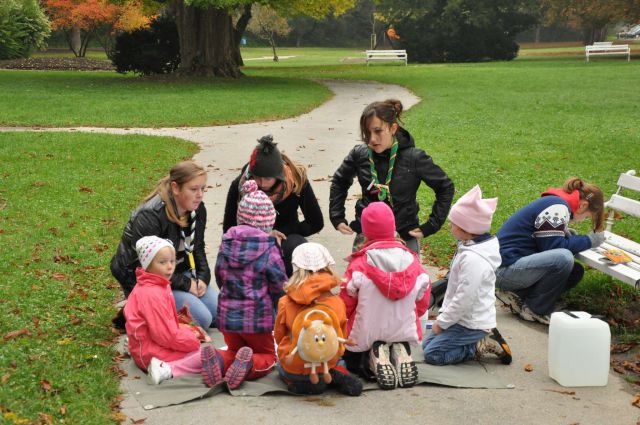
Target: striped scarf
{"points": [[189, 242], [384, 191]]}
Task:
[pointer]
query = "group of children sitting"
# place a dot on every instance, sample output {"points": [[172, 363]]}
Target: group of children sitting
{"points": [[367, 329]]}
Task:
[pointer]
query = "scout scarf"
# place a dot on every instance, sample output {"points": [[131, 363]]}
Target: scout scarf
{"points": [[383, 190]]}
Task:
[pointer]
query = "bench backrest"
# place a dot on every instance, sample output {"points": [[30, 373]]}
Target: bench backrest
{"points": [[602, 43], [618, 202], [386, 52]]}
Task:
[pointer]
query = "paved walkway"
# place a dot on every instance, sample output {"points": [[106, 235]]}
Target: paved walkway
{"points": [[320, 139]]}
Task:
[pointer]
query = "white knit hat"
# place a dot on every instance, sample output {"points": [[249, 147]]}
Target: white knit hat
{"points": [[311, 256], [148, 246]]}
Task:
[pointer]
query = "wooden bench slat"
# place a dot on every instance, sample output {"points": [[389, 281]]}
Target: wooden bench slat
{"points": [[626, 205], [629, 181]]}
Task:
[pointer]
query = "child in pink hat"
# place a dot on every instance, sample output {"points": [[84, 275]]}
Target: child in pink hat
{"points": [[385, 290], [468, 312]]}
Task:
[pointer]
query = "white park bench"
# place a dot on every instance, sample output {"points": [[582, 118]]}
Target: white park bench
{"points": [[386, 55], [607, 48], [629, 272]]}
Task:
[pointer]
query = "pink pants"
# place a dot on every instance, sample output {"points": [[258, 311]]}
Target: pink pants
{"points": [[190, 364]]}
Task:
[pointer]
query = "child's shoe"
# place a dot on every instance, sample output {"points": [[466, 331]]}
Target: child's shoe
{"points": [[307, 388], [380, 364], [405, 366], [158, 371], [240, 368], [212, 366], [495, 344], [347, 384]]}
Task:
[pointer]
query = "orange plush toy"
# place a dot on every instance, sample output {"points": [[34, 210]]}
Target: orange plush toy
{"points": [[319, 339]]}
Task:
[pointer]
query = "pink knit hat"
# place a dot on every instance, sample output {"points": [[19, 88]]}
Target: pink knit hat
{"points": [[472, 213], [255, 208], [378, 222]]}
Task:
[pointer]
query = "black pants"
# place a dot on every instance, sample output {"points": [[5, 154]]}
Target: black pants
{"points": [[288, 245]]}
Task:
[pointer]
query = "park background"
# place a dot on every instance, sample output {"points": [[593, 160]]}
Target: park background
{"points": [[513, 126]]}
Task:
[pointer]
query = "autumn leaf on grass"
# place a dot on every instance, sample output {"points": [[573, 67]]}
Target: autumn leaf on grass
{"points": [[16, 334], [59, 276], [5, 378], [46, 385], [63, 409], [85, 189], [45, 419]]}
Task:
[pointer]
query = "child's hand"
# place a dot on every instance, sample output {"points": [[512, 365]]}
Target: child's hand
{"points": [[436, 329], [350, 342]]}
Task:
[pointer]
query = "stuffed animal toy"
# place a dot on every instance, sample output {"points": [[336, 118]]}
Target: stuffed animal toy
{"points": [[319, 339]]}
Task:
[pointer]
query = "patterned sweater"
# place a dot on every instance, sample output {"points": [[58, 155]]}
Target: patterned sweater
{"points": [[250, 273], [541, 226]]}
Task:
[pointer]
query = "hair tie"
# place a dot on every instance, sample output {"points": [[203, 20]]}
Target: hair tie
{"points": [[589, 196]]}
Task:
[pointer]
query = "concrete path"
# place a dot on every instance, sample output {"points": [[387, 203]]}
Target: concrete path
{"points": [[320, 139]]}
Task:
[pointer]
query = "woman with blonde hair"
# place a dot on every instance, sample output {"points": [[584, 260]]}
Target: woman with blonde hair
{"points": [[538, 247], [174, 210]]}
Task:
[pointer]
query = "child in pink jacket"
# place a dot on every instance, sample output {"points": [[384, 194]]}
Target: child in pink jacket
{"points": [[385, 290], [157, 342]]}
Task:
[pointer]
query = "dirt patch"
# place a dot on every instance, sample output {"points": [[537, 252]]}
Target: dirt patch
{"points": [[58, 64]]}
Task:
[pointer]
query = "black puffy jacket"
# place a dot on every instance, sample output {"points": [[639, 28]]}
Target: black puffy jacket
{"points": [[150, 219], [412, 167]]}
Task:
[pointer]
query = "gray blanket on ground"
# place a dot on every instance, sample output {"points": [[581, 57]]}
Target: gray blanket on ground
{"points": [[191, 387]]}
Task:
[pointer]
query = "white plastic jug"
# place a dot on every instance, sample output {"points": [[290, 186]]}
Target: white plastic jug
{"points": [[578, 349]]}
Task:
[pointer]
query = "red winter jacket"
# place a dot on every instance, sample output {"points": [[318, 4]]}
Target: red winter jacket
{"points": [[152, 322]]}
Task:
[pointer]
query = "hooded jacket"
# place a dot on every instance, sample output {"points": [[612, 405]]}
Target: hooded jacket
{"points": [[152, 322], [316, 289], [412, 166], [250, 273], [541, 226], [386, 291], [151, 219], [470, 298]]}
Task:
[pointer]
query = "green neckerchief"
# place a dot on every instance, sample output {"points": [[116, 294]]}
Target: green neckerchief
{"points": [[384, 190]]}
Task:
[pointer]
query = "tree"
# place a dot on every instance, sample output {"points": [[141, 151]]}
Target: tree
{"points": [[459, 30], [209, 41], [266, 24], [592, 17], [100, 19], [23, 27]]}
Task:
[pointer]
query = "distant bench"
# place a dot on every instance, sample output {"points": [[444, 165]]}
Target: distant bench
{"points": [[386, 55], [607, 48], [629, 272]]}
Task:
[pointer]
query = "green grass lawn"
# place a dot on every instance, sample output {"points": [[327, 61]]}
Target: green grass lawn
{"points": [[515, 128], [64, 200]]}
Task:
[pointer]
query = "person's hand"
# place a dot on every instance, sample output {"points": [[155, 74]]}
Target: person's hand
{"points": [[350, 342], [194, 287], [202, 288], [436, 329], [279, 236], [596, 238], [344, 229], [416, 233]]}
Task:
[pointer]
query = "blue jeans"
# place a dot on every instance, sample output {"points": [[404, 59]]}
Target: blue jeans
{"points": [[453, 345], [539, 279], [204, 310]]}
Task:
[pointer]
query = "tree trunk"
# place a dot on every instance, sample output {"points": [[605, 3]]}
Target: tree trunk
{"points": [[207, 46], [75, 40], [272, 41], [238, 32], [537, 36]]}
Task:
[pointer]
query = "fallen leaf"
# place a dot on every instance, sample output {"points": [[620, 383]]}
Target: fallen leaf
{"points": [[59, 276], [528, 367], [118, 416], [16, 334], [38, 184], [636, 400], [100, 248], [565, 392], [54, 231], [86, 189], [36, 321], [63, 409], [5, 378], [44, 418], [46, 385], [138, 421]]}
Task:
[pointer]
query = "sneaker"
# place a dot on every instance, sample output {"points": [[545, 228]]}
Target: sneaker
{"points": [[511, 300], [530, 316], [380, 363], [347, 384], [405, 366], [495, 344], [212, 366], [240, 368], [158, 371]]}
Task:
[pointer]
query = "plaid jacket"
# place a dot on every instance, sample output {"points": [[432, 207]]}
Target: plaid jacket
{"points": [[250, 273]]}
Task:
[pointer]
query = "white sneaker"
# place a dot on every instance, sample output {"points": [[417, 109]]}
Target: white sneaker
{"points": [[530, 316], [510, 300], [406, 368], [158, 371], [380, 364]]}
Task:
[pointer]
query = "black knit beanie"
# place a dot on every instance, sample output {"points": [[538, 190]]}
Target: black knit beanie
{"points": [[266, 160]]}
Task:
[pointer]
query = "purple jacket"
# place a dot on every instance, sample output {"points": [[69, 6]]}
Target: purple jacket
{"points": [[250, 273]]}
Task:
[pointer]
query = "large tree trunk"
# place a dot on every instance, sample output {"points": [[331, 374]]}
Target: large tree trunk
{"points": [[206, 41], [238, 32], [75, 40]]}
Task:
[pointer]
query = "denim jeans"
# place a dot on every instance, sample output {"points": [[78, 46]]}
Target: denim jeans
{"points": [[204, 310], [455, 344], [539, 279]]}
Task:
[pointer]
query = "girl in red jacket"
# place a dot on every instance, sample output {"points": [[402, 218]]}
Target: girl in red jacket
{"points": [[158, 343]]}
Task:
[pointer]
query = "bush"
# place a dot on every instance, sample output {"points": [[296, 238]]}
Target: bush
{"points": [[23, 27], [153, 50], [464, 30]]}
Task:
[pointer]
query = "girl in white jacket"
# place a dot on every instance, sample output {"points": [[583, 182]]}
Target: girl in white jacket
{"points": [[468, 312]]}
